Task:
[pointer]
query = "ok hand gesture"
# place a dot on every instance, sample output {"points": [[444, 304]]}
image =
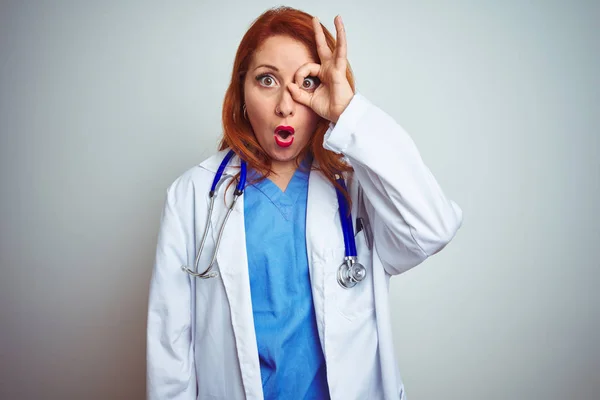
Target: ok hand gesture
{"points": [[334, 93]]}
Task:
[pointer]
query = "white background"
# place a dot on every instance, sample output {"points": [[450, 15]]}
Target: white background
{"points": [[104, 104]]}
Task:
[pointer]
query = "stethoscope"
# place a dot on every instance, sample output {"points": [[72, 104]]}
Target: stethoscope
{"points": [[349, 273]]}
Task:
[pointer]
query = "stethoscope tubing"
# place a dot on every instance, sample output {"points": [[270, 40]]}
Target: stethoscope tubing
{"points": [[346, 271], [346, 220]]}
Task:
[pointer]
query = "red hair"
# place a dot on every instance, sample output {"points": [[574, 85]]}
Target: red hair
{"points": [[237, 131]]}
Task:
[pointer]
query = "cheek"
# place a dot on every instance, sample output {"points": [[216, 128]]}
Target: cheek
{"points": [[257, 118], [249, 98], [311, 119], [255, 109]]}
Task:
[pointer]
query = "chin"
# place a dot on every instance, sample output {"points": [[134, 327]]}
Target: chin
{"points": [[283, 155]]}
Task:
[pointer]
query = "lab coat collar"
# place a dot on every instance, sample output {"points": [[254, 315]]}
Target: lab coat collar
{"points": [[322, 198], [322, 208], [322, 204], [212, 163]]}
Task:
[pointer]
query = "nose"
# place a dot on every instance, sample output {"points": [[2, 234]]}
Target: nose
{"points": [[286, 106]]}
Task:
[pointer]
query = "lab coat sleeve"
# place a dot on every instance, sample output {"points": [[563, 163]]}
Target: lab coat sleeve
{"points": [[410, 216], [170, 356]]}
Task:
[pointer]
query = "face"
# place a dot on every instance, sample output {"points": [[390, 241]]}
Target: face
{"points": [[282, 126]]}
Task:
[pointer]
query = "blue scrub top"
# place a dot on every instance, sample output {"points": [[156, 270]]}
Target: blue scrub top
{"points": [[291, 359]]}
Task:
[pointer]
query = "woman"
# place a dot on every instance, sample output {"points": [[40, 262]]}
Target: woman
{"points": [[272, 318]]}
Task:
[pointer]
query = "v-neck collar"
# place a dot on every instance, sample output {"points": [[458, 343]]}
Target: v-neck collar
{"points": [[285, 200]]}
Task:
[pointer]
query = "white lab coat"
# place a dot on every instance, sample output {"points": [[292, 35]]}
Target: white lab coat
{"points": [[201, 337]]}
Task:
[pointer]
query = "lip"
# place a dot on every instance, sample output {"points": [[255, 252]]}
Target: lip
{"points": [[281, 143], [285, 128], [284, 142]]}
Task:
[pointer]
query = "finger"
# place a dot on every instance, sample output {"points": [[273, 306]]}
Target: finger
{"points": [[308, 69], [300, 96], [341, 44], [322, 49]]}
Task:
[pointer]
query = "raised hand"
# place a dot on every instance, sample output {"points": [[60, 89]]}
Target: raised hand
{"points": [[334, 93]]}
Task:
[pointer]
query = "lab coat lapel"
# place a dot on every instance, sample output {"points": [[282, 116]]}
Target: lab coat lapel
{"points": [[322, 207], [233, 267], [322, 238]]}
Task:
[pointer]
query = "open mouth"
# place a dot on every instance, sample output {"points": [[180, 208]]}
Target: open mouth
{"points": [[284, 136]]}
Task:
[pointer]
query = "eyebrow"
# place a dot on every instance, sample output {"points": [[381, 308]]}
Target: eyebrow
{"points": [[267, 66]]}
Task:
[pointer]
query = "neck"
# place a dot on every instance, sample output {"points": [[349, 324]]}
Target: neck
{"points": [[282, 173], [283, 168]]}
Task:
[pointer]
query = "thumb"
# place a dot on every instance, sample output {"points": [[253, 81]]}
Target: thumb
{"points": [[299, 95]]}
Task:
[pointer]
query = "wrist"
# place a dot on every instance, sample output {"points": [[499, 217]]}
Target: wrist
{"points": [[340, 110]]}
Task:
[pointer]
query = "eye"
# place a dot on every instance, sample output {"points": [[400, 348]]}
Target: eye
{"points": [[310, 83], [266, 80]]}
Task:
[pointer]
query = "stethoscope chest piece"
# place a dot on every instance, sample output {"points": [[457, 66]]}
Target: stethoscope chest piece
{"points": [[350, 273]]}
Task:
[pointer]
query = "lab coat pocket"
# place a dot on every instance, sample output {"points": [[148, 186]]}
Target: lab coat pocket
{"points": [[354, 303]]}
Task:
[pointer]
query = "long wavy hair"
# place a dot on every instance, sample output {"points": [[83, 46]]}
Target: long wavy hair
{"points": [[237, 131]]}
